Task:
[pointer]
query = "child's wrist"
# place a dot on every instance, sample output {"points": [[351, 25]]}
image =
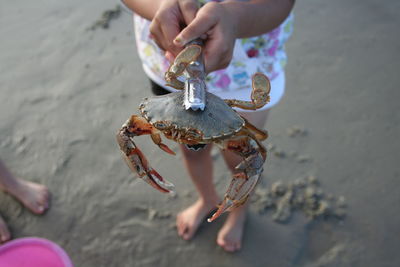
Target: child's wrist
{"points": [[233, 21]]}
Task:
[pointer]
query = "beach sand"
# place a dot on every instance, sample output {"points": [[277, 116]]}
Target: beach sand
{"points": [[66, 89]]}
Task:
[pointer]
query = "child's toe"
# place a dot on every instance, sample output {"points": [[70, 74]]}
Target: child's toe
{"points": [[188, 233], [238, 247], [4, 233], [221, 242], [179, 226], [4, 237]]}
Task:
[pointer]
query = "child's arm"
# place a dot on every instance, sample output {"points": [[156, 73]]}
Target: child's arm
{"points": [[225, 21], [145, 8], [221, 22]]}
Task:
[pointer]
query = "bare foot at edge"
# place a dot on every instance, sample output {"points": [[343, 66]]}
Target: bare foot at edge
{"points": [[189, 220], [4, 232], [230, 235], [33, 196]]}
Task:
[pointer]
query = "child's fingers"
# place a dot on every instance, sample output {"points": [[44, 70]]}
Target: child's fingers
{"points": [[169, 56], [164, 33], [189, 9], [165, 25], [169, 33], [156, 34], [201, 24], [218, 53]]}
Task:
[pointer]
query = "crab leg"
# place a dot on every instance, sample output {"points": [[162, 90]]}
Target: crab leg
{"points": [[184, 58], [135, 159], [259, 94], [258, 133], [249, 171]]}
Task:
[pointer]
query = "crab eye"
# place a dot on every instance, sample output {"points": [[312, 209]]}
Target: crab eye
{"points": [[138, 169], [160, 125]]}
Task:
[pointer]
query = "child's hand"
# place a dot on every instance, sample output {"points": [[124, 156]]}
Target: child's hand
{"points": [[169, 20], [219, 24]]}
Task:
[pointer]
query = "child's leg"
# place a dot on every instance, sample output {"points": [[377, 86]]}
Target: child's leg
{"points": [[200, 168], [32, 195], [4, 233], [230, 235]]}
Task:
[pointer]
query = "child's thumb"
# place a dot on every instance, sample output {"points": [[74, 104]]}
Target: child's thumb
{"points": [[198, 28], [169, 56]]}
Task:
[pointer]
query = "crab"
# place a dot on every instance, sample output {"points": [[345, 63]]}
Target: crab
{"points": [[218, 123]]}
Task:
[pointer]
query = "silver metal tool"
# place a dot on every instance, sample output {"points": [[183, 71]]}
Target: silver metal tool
{"points": [[195, 86]]}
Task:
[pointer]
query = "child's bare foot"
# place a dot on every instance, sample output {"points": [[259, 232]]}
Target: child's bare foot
{"points": [[189, 220], [33, 196], [230, 235], [4, 233]]}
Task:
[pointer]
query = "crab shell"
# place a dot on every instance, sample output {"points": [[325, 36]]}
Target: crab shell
{"points": [[217, 121]]}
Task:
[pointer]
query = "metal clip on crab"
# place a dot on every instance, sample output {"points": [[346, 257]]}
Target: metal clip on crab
{"points": [[218, 124], [195, 86]]}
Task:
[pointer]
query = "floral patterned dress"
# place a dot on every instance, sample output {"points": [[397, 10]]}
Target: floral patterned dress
{"points": [[264, 53]]}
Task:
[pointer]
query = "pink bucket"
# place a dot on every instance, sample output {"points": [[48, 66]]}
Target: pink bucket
{"points": [[33, 252]]}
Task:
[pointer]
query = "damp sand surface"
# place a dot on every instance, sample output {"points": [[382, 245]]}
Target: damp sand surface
{"points": [[65, 90]]}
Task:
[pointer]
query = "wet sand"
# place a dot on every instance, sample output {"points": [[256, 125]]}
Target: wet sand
{"points": [[66, 89]]}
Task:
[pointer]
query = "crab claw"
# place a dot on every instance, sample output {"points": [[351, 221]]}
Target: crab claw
{"points": [[237, 194], [184, 58], [261, 89], [259, 95], [158, 182], [242, 183], [138, 163]]}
